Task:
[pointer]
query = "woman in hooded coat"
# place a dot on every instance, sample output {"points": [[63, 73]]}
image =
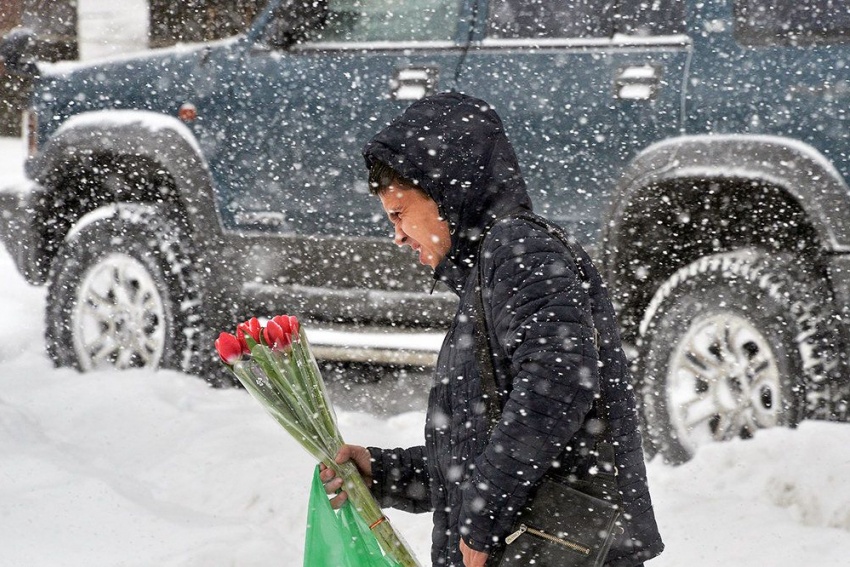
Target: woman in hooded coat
{"points": [[453, 151]]}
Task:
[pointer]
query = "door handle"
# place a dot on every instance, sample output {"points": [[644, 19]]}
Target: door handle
{"points": [[414, 82], [637, 82]]}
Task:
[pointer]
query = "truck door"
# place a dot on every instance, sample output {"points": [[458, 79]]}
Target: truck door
{"points": [[545, 66], [321, 100], [575, 86], [648, 73], [301, 116]]}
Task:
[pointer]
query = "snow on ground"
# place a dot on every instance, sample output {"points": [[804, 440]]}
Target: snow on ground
{"points": [[12, 154], [155, 468]]}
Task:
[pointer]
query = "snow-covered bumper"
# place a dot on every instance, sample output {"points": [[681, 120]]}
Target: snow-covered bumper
{"points": [[20, 229]]}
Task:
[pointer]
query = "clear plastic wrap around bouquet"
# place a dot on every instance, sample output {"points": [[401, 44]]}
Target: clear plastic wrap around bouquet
{"points": [[276, 366]]}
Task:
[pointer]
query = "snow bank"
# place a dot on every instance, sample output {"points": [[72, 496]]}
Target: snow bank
{"points": [[780, 499], [13, 152]]}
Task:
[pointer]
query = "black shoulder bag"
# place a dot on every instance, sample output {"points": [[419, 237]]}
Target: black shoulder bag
{"points": [[567, 522]]}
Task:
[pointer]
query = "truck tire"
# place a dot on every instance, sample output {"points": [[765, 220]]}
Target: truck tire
{"points": [[126, 291], [730, 344]]}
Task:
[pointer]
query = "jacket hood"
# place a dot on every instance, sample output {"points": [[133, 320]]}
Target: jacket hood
{"points": [[455, 148]]}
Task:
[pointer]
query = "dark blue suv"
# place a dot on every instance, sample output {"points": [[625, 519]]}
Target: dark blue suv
{"points": [[698, 149]]}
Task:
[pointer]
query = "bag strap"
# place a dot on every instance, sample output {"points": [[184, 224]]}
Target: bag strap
{"points": [[484, 354]]}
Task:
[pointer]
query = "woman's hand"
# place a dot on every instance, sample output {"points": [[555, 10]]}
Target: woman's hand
{"points": [[472, 558], [362, 460]]}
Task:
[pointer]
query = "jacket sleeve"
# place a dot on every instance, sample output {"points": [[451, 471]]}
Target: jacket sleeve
{"points": [[400, 479], [541, 317]]}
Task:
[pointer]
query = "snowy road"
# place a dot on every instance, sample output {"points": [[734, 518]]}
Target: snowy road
{"points": [[155, 468]]}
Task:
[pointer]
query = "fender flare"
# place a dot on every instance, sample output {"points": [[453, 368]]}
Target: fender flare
{"points": [[152, 135], [796, 167]]}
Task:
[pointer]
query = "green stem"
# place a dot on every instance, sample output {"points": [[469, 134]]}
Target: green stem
{"points": [[279, 410], [315, 386], [280, 377], [258, 377]]}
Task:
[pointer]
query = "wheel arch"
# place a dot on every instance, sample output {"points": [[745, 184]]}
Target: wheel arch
{"points": [[103, 157], [669, 208]]}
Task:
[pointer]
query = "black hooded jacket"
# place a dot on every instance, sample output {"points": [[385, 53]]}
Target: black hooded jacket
{"points": [[455, 148]]}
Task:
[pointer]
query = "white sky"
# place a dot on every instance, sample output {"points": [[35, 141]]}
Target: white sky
{"points": [[112, 27]]}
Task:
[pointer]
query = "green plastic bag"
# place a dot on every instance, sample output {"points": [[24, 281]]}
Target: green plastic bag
{"points": [[339, 539]]}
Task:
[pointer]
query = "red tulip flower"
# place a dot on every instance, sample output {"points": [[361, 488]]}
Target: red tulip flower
{"points": [[289, 322], [229, 348], [250, 327], [280, 331]]}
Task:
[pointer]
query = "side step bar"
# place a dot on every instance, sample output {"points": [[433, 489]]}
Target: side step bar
{"points": [[380, 345]]}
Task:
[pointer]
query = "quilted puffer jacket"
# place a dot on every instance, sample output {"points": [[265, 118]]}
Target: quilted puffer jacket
{"points": [[455, 148]]}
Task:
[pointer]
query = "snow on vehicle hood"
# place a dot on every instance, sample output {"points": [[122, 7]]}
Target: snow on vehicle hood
{"points": [[62, 69]]}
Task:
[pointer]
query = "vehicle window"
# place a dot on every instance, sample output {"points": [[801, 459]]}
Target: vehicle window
{"points": [[656, 17], [767, 22], [550, 18], [389, 20]]}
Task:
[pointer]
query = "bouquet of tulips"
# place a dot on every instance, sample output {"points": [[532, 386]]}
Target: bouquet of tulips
{"points": [[276, 366]]}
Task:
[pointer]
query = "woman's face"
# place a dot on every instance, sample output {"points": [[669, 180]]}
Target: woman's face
{"points": [[417, 222]]}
